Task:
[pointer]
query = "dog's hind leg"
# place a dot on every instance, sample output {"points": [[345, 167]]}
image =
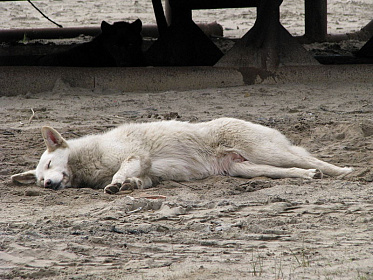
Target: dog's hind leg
{"points": [[298, 157], [263, 145], [133, 173], [249, 170], [285, 155]]}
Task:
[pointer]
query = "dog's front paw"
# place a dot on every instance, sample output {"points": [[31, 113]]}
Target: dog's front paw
{"points": [[131, 184], [318, 174], [112, 188], [313, 174]]}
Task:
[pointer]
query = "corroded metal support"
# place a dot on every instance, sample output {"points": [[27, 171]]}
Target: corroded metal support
{"points": [[366, 50], [267, 45], [181, 41]]}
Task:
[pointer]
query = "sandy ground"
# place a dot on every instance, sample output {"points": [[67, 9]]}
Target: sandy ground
{"points": [[217, 228]]}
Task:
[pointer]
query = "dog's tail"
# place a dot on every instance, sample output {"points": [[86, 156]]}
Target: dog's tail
{"points": [[160, 17]]}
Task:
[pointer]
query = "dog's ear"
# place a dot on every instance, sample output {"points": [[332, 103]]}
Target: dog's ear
{"points": [[53, 139], [137, 25], [28, 177], [105, 26]]}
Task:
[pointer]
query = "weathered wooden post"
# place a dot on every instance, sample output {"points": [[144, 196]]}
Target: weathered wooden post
{"points": [[177, 12], [167, 9], [270, 45], [316, 19]]}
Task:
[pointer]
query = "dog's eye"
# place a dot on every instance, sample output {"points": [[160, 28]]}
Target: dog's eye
{"points": [[49, 164]]}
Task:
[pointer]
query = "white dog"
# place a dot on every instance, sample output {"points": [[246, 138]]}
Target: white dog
{"points": [[137, 155]]}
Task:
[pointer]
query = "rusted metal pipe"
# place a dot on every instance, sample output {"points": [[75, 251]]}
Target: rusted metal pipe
{"points": [[11, 35]]}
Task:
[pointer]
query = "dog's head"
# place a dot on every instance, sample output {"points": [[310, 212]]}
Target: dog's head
{"points": [[123, 41], [52, 171]]}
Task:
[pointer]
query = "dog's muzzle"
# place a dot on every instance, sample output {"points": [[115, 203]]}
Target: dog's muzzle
{"points": [[49, 184]]}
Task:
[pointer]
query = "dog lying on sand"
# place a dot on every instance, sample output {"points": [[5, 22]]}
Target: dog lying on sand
{"points": [[137, 155]]}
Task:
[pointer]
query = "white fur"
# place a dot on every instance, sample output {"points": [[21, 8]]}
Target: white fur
{"points": [[137, 155]]}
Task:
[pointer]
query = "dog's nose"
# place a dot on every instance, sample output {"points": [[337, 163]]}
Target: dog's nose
{"points": [[48, 184]]}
